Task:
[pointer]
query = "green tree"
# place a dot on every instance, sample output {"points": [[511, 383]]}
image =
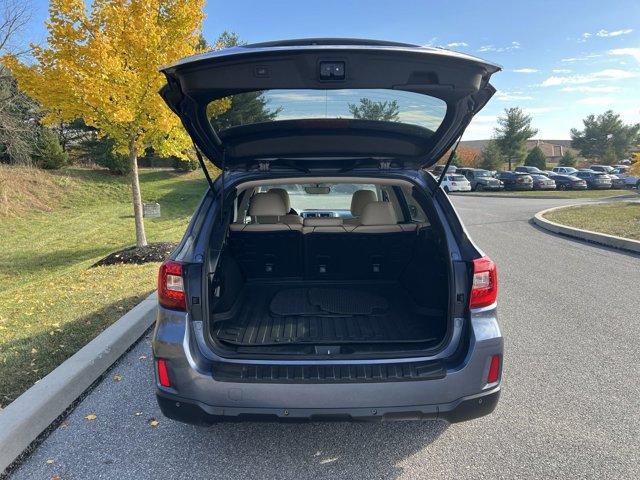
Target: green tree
{"points": [[385, 111], [536, 158], [249, 107], [491, 157], [49, 153], [512, 133], [605, 137], [568, 159]]}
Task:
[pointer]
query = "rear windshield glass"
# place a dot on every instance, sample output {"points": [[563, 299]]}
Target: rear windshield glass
{"points": [[365, 104], [322, 196], [457, 178]]}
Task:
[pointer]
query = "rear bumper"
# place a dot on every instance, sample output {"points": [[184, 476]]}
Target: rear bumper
{"points": [[204, 395], [198, 413]]}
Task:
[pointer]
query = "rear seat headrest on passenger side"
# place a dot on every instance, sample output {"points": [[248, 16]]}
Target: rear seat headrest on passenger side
{"points": [[284, 195], [361, 198], [378, 213], [267, 204]]}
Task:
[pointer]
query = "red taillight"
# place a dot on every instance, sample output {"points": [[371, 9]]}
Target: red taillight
{"points": [[163, 373], [171, 286], [494, 369], [485, 283]]}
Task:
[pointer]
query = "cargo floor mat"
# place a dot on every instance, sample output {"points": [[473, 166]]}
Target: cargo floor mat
{"points": [[270, 314]]}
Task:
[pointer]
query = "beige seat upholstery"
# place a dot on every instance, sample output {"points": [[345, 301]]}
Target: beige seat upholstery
{"points": [[323, 225], [266, 211], [288, 218], [378, 217], [359, 199]]}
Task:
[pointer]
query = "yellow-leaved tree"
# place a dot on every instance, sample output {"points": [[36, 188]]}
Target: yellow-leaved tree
{"points": [[101, 64]]}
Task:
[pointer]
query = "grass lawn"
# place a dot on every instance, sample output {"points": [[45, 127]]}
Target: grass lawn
{"points": [[560, 193], [54, 226], [621, 219]]}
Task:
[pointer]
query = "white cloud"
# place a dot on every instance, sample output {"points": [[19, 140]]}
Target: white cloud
{"points": [[561, 70], [431, 42], [596, 101], [537, 110], [615, 33], [602, 75], [457, 44], [493, 48], [511, 96], [592, 89], [579, 59], [634, 52], [526, 70]]}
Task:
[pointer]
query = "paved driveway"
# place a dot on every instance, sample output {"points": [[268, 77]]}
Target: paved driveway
{"points": [[569, 409]]}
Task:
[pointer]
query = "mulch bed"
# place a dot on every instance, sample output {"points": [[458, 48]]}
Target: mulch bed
{"points": [[154, 252]]}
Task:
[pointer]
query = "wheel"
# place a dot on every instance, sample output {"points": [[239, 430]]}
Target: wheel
{"points": [[562, 186], [479, 188], [638, 184], [446, 189]]}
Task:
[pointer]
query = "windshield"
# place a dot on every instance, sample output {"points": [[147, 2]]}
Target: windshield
{"points": [[338, 197], [457, 178], [481, 173], [361, 104]]}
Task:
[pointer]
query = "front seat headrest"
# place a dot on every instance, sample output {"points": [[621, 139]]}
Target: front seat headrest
{"points": [[267, 204], [359, 199], [378, 213], [284, 195]]}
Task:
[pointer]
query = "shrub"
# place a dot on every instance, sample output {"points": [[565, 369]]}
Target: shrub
{"points": [[49, 153], [188, 164], [117, 163], [568, 159], [536, 158]]}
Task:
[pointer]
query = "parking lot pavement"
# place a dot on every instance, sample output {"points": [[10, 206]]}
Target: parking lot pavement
{"points": [[569, 408]]}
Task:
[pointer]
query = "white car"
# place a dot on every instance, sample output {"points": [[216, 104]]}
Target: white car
{"points": [[455, 183], [564, 170]]}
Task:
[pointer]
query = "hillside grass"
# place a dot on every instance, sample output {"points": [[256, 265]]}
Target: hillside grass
{"points": [[621, 219], [54, 227]]}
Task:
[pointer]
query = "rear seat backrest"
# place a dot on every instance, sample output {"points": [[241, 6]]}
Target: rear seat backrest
{"points": [[266, 249], [323, 225]]}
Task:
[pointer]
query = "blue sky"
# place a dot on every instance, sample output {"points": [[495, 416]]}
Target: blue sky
{"points": [[562, 59]]}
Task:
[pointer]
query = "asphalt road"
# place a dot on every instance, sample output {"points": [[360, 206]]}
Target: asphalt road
{"points": [[569, 409]]}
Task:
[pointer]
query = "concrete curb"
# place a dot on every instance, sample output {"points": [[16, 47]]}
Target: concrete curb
{"points": [[32, 412], [612, 241]]}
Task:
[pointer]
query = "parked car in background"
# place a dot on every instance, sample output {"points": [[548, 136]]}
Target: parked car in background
{"points": [[527, 169], [438, 169], [601, 168], [595, 180], [480, 179], [568, 182], [564, 170], [542, 182], [620, 169], [515, 180], [616, 181], [631, 181], [455, 183]]}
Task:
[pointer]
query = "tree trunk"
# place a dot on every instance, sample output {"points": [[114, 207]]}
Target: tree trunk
{"points": [[141, 238]]}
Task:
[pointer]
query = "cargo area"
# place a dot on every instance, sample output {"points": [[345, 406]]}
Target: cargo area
{"points": [[336, 281]]}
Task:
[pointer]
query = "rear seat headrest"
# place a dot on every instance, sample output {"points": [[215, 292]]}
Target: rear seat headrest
{"points": [[267, 204], [378, 213], [359, 199], [284, 195], [322, 222]]}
